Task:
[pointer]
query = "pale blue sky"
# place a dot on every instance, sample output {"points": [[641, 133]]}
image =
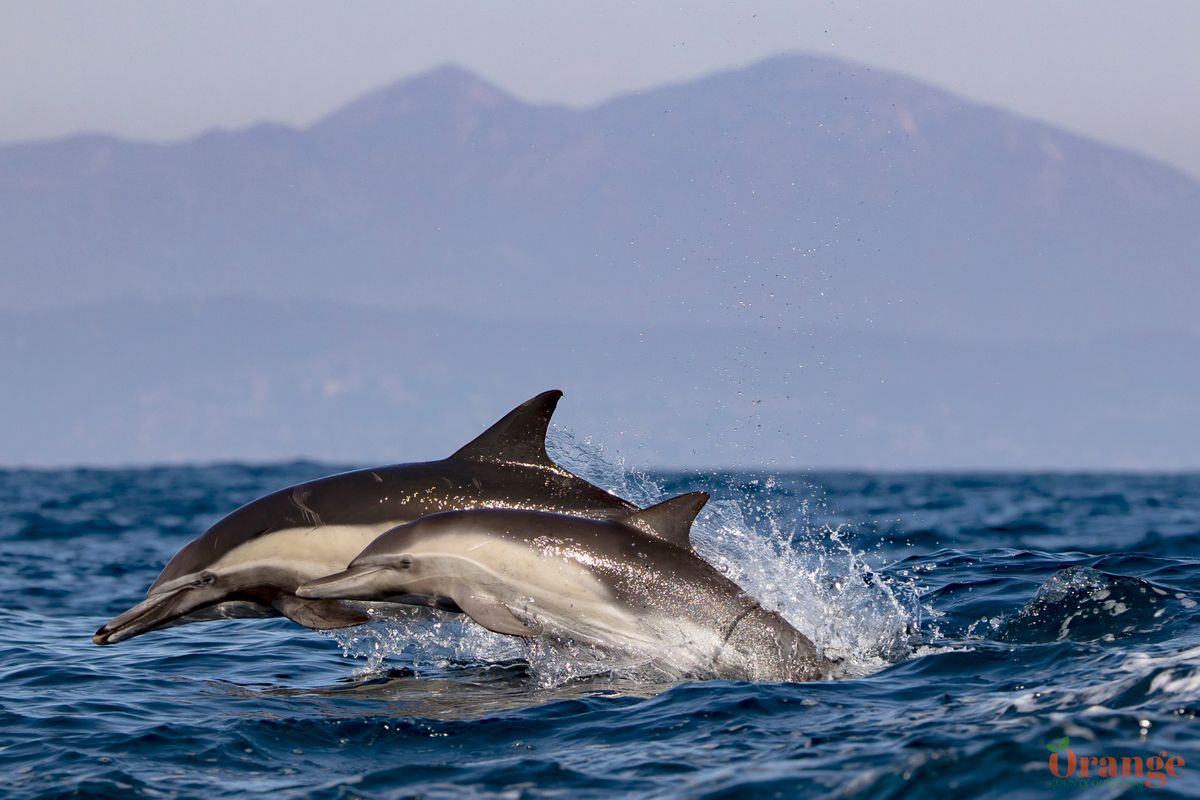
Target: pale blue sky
{"points": [[1127, 73]]}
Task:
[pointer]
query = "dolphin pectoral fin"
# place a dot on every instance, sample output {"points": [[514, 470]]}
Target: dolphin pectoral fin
{"points": [[494, 616], [520, 436], [320, 615]]}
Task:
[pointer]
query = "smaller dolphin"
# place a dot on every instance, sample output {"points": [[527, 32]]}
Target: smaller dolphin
{"points": [[631, 584]]}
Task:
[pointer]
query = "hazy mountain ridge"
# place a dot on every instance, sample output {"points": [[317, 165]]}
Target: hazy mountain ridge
{"points": [[443, 191], [802, 262]]}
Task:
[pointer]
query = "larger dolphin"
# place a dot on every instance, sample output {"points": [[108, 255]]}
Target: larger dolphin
{"points": [[633, 585], [250, 563]]}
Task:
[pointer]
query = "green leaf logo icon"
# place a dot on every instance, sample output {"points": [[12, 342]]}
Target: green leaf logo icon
{"points": [[1060, 746]]}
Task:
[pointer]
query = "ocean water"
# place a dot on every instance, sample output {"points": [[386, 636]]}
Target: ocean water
{"points": [[978, 619]]}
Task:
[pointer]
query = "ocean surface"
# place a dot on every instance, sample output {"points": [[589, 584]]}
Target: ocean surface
{"points": [[979, 619]]}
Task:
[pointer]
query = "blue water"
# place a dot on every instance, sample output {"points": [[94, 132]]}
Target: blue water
{"points": [[965, 650]]}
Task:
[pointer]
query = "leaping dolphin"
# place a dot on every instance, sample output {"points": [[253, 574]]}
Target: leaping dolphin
{"points": [[250, 563], [632, 584]]}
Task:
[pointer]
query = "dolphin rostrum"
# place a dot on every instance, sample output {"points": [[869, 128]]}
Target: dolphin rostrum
{"points": [[250, 563], [632, 585]]}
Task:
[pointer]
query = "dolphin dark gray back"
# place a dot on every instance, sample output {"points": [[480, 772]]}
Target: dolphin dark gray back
{"points": [[505, 466]]}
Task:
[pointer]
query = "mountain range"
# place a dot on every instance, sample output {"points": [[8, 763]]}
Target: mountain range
{"points": [[802, 262]]}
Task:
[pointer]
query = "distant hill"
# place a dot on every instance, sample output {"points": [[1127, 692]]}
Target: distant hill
{"points": [[912, 210], [799, 262]]}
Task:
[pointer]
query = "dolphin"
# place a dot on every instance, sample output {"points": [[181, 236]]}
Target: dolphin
{"points": [[250, 563], [631, 585]]}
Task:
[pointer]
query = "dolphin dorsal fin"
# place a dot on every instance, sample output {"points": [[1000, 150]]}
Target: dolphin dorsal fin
{"points": [[519, 436], [670, 520]]}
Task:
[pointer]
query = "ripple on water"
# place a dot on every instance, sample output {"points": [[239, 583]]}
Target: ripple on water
{"points": [[970, 612]]}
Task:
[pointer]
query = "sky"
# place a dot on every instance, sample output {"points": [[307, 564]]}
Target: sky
{"points": [[1125, 73]]}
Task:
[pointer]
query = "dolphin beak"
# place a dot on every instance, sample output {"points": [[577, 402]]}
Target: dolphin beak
{"points": [[153, 612], [356, 583]]}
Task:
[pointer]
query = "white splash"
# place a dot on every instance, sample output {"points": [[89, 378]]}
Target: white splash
{"points": [[812, 577], [592, 462], [424, 641]]}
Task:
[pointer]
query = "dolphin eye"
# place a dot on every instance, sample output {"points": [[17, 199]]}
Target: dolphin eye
{"points": [[206, 579], [404, 562]]}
